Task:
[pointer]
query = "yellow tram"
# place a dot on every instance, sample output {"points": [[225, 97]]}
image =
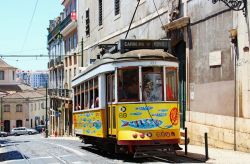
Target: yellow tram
{"points": [[127, 101]]}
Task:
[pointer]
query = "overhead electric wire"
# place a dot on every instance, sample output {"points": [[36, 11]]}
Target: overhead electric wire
{"points": [[29, 27]]}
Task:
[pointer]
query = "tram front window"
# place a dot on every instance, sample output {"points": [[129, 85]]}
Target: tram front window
{"points": [[152, 83], [128, 84]]}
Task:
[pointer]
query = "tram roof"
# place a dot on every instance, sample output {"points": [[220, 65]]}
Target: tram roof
{"points": [[130, 56]]}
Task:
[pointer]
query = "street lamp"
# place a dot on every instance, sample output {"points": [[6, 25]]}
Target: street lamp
{"points": [[236, 5], [46, 107]]}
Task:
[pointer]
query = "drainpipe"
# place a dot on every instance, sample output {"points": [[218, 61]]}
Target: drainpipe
{"points": [[233, 36]]}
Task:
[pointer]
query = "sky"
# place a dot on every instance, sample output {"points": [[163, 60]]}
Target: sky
{"points": [[22, 35]]}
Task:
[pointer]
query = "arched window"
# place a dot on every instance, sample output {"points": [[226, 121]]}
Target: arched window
{"points": [[6, 108], [19, 108]]}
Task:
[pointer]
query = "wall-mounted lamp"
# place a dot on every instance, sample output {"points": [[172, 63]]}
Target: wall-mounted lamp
{"points": [[233, 35]]}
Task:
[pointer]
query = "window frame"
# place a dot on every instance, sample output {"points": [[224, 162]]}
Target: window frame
{"points": [[117, 7], [4, 108], [19, 108], [162, 81], [138, 88], [2, 74], [100, 14], [176, 83]]}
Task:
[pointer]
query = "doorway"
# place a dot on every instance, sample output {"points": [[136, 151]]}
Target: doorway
{"points": [[179, 50], [7, 125]]}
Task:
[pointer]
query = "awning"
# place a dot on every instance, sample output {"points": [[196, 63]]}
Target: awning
{"points": [[177, 24]]}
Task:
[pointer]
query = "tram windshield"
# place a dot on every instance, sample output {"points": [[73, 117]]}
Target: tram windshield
{"points": [[152, 81], [128, 84]]}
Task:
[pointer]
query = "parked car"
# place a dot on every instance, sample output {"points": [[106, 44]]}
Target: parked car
{"points": [[40, 128], [23, 130], [3, 134]]}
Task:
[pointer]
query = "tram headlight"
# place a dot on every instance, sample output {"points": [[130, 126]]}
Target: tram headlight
{"points": [[135, 135], [142, 135], [149, 134]]}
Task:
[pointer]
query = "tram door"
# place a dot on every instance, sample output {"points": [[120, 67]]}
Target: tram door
{"points": [[111, 107]]}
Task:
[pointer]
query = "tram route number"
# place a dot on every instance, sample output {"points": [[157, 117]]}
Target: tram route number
{"points": [[123, 115]]}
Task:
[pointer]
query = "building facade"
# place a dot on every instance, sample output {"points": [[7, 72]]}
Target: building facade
{"points": [[38, 79], [63, 52], [215, 55], [16, 100], [23, 77], [37, 109]]}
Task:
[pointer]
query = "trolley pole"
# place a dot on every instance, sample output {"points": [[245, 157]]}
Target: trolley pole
{"points": [[46, 117]]}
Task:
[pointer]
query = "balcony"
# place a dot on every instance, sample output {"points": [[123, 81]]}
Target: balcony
{"points": [[67, 25], [53, 33], [62, 93], [58, 61], [51, 63]]}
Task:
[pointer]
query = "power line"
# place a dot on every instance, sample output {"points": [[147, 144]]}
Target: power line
{"points": [[29, 27], [21, 56]]}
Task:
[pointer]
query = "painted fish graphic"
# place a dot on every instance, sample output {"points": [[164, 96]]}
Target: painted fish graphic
{"points": [[159, 114], [142, 124], [136, 114], [169, 126], [87, 114], [163, 110], [144, 108], [97, 124]]}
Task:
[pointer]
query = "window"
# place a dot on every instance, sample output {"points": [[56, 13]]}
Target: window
{"points": [[66, 62], [19, 108], [6, 108], [87, 31], [86, 95], [13, 75], [19, 123], [117, 7], [100, 12], [75, 40], [82, 96], [171, 84], [152, 84], [1, 75], [111, 87], [96, 93], [70, 61], [75, 61], [74, 71], [128, 84]]}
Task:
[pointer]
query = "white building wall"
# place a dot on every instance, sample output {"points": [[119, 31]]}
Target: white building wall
{"points": [[146, 24]]}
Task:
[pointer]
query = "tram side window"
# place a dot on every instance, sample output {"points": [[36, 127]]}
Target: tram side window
{"points": [[128, 84], [86, 88], [82, 96], [78, 99], [152, 83], [74, 98], [96, 94], [171, 84], [111, 87]]}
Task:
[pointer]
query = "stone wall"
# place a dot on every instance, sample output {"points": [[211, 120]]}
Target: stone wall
{"points": [[220, 131]]}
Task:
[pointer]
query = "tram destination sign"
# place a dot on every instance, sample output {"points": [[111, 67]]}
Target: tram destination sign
{"points": [[127, 44]]}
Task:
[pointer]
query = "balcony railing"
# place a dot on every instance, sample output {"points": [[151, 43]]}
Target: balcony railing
{"points": [[53, 33], [64, 93], [65, 22], [51, 63]]}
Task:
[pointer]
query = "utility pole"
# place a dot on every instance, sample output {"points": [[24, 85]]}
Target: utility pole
{"points": [[46, 107], [2, 114]]}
